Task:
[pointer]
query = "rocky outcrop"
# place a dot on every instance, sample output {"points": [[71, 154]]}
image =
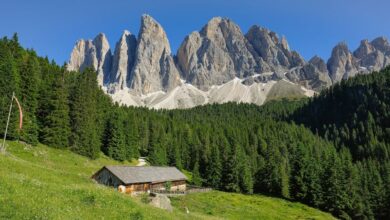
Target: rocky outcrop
{"points": [[313, 75], [363, 50], [374, 55], [368, 57], [274, 52], [216, 54], [162, 202], [154, 69], [275, 55], [319, 63], [123, 62], [83, 55], [342, 64], [381, 44], [103, 57], [96, 54]]}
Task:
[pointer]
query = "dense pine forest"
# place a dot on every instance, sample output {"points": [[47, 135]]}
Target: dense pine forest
{"points": [[331, 152]]}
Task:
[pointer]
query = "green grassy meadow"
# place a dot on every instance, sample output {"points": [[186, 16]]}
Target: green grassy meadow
{"points": [[46, 183]]}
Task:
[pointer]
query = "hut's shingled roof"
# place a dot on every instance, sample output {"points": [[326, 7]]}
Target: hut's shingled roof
{"points": [[131, 174]]}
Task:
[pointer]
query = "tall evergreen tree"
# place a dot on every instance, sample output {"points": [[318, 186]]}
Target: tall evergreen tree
{"points": [[85, 138], [115, 138], [55, 124], [214, 169], [246, 180], [29, 72], [231, 171], [9, 83]]}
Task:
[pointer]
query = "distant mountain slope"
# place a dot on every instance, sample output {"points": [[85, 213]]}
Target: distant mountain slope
{"points": [[46, 183], [214, 56]]}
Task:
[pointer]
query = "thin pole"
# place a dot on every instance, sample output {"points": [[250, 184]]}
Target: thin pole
{"points": [[6, 128]]}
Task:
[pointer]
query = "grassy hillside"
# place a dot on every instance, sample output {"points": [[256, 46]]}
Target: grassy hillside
{"points": [[238, 206], [46, 183]]}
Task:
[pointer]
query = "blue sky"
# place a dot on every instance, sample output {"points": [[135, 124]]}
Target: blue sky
{"points": [[312, 27]]}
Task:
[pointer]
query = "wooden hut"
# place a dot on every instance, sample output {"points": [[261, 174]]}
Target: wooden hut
{"points": [[130, 179]]}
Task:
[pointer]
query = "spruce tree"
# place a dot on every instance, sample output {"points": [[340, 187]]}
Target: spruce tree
{"points": [[132, 137], [196, 178], [214, 170], [115, 138], [246, 180], [56, 129], [29, 72], [85, 138], [231, 172], [9, 83]]}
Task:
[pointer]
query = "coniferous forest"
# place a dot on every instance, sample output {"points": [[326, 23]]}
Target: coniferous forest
{"points": [[331, 152]]}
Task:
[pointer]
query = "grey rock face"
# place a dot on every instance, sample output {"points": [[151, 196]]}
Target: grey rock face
{"points": [[83, 55], [96, 54], [154, 69], [319, 64], [368, 57], [216, 54], [274, 52], [123, 61], [373, 56], [364, 49], [342, 64], [381, 44], [313, 75], [103, 57], [264, 78]]}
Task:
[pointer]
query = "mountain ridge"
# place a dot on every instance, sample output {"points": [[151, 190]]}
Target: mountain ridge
{"points": [[215, 56]]}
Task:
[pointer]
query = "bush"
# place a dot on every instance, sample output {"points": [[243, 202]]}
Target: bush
{"points": [[168, 186]]}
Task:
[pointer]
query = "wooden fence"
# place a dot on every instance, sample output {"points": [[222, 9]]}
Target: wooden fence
{"points": [[197, 189], [189, 190]]}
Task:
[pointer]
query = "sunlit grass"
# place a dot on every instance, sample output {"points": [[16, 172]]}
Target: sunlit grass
{"points": [[238, 206], [47, 183]]}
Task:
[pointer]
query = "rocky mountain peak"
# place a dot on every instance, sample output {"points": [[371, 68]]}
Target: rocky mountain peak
{"points": [[217, 27], [82, 55], [212, 25], [364, 49], [313, 74], [101, 43], [151, 28], [274, 51], [342, 64], [123, 61], [216, 54], [373, 56], [96, 54], [319, 63], [103, 58], [341, 49], [381, 43], [154, 68]]}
